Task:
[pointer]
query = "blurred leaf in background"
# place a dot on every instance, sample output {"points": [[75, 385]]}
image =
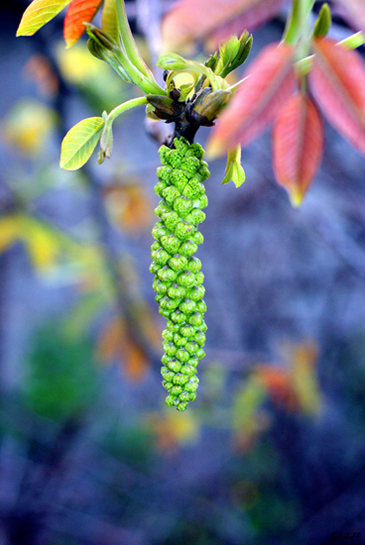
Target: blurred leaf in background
{"points": [[28, 127], [101, 87], [61, 374]]}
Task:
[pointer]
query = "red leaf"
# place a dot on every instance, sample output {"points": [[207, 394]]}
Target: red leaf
{"points": [[255, 16], [78, 12], [338, 83], [257, 101], [297, 145], [191, 20]]}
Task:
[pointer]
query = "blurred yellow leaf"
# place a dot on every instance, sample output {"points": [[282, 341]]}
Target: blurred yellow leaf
{"points": [[173, 429], [28, 126], [305, 381], [42, 244], [247, 401], [9, 231], [247, 421]]}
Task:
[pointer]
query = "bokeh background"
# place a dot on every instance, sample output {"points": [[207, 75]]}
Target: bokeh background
{"points": [[273, 449]]}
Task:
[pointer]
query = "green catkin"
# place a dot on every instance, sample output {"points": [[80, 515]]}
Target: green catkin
{"points": [[178, 277]]}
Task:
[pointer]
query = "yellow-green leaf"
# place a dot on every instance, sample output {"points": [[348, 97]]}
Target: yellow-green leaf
{"points": [[9, 231], [109, 19], [80, 142], [38, 13]]}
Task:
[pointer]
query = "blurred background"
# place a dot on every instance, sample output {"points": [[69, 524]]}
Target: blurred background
{"points": [[272, 450]]}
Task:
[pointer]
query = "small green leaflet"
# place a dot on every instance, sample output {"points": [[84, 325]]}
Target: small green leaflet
{"points": [[38, 13], [109, 22], [234, 170], [80, 142]]}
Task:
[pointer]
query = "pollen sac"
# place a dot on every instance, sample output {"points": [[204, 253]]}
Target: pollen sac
{"points": [[178, 277]]}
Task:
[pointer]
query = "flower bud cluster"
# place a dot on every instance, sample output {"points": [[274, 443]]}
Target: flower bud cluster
{"points": [[178, 278]]}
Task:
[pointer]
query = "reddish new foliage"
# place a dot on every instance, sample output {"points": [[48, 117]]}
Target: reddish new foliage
{"points": [[78, 12], [255, 16], [338, 84], [297, 145], [271, 80], [191, 20]]}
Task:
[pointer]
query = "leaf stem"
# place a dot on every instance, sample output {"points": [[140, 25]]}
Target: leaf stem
{"points": [[125, 107], [133, 55], [297, 20], [353, 41]]}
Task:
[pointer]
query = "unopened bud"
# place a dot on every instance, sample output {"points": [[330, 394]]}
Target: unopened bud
{"points": [[212, 104]]}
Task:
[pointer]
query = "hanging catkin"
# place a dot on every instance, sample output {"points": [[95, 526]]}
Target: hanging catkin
{"points": [[178, 279]]}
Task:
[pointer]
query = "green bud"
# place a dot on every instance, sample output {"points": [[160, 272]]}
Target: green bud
{"points": [[174, 158], [182, 355], [159, 187], [212, 104], [167, 374], [179, 340], [182, 206], [160, 256], [192, 347], [188, 369], [176, 291], [174, 365], [187, 306], [170, 194], [166, 274], [178, 317], [169, 348], [199, 337], [196, 319], [171, 219], [197, 237], [184, 230], [178, 262], [164, 173], [194, 264], [188, 330], [167, 384], [176, 390], [171, 244], [196, 293], [188, 248], [201, 306], [180, 379], [167, 335], [159, 287], [171, 401], [323, 23], [168, 303], [186, 279]]}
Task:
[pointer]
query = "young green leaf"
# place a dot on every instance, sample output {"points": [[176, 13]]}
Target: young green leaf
{"points": [[80, 142], [38, 13], [323, 22], [109, 23], [234, 170]]}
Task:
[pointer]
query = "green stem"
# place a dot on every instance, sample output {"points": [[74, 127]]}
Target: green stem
{"points": [[297, 20], [353, 41], [132, 52], [125, 107]]}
